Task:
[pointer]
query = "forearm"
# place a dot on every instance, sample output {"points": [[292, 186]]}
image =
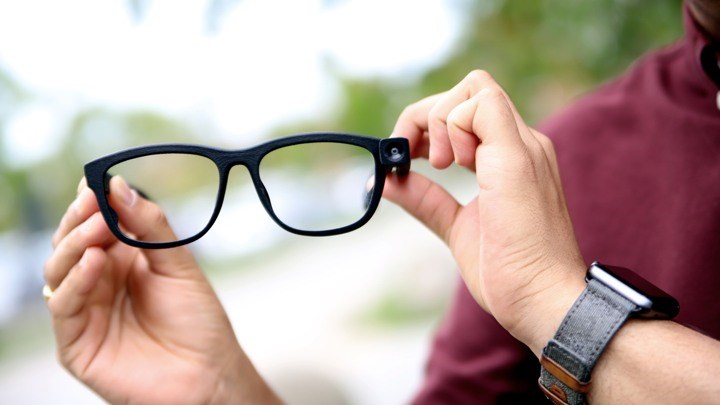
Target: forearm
{"points": [[657, 362], [647, 361]]}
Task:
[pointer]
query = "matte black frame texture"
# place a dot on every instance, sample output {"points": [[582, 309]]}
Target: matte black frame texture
{"points": [[389, 154]]}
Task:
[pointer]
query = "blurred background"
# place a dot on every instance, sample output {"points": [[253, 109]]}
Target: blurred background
{"points": [[342, 320]]}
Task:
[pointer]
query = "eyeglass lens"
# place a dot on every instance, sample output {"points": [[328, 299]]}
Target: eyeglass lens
{"points": [[184, 186], [311, 187], [318, 186]]}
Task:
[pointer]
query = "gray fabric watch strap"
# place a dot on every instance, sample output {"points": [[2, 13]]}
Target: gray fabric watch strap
{"points": [[582, 336]]}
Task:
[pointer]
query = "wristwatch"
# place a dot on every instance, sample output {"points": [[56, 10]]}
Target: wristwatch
{"points": [[613, 294]]}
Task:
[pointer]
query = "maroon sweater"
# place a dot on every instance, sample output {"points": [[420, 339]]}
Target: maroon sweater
{"points": [[640, 164]]}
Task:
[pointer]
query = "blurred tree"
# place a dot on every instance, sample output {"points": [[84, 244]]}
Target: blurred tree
{"points": [[11, 182], [545, 53], [95, 132]]}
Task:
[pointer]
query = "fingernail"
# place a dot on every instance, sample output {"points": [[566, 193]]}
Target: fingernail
{"points": [[126, 193], [370, 183], [78, 201], [75, 205], [81, 185]]}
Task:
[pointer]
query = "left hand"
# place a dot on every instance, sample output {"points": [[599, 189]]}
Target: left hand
{"points": [[514, 242], [141, 326]]}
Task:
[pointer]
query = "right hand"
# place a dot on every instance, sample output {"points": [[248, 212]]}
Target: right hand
{"points": [[514, 241], [141, 325]]}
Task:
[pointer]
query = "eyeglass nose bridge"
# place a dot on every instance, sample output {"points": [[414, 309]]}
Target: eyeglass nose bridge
{"points": [[250, 160]]}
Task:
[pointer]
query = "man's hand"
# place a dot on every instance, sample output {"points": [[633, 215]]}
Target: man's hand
{"points": [[514, 242], [141, 326]]}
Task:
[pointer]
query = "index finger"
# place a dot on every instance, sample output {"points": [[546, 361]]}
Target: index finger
{"points": [[78, 211], [413, 125]]}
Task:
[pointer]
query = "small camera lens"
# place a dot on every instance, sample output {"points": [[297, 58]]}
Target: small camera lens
{"points": [[394, 153]]}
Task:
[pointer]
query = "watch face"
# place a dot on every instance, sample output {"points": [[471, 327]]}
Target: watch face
{"points": [[652, 301]]}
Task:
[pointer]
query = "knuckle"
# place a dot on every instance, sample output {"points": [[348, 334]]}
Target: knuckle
{"points": [[435, 115], [407, 111], [493, 92], [454, 119], [547, 143], [412, 109], [479, 76], [437, 123], [543, 139]]}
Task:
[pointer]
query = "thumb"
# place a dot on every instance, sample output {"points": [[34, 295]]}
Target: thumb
{"points": [[425, 200], [146, 221]]}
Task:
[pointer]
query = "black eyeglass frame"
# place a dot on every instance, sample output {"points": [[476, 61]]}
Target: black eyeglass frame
{"points": [[389, 154]]}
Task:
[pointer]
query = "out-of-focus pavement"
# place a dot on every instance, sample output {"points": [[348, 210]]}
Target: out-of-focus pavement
{"points": [[298, 314]]}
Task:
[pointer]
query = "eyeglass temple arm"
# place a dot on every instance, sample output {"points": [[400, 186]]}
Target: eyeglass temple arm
{"points": [[139, 191], [395, 153]]}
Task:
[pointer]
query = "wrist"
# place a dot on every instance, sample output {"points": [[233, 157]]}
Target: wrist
{"points": [[548, 306], [240, 383], [612, 295]]}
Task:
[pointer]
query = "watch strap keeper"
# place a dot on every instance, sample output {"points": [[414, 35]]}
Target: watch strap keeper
{"points": [[563, 384], [571, 354], [564, 376]]}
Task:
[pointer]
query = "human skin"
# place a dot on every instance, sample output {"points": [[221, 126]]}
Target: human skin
{"points": [[475, 126], [515, 246], [145, 325], [141, 326]]}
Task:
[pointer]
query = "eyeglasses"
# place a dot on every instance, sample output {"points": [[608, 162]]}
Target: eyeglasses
{"points": [[315, 184]]}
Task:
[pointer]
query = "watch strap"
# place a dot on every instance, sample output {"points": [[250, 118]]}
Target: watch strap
{"points": [[586, 330]]}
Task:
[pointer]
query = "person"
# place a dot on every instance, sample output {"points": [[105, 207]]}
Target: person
{"points": [[640, 169], [145, 325]]}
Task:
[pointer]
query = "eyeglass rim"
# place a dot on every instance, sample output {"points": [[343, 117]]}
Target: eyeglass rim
{"points": [[225, 159]]}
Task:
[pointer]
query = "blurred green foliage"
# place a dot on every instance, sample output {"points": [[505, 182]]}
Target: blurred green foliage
{"points": [[395, 308], [544, 52], [36, 196], [549, 51]]}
